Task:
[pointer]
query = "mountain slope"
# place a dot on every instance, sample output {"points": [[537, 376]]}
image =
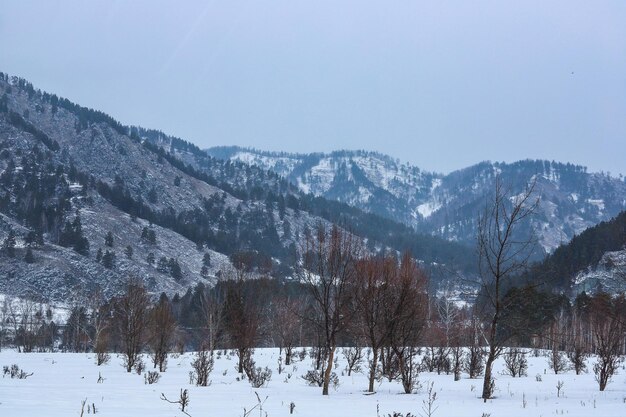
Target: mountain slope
{"points": [[70, 175], [571, 199], [593, 260]]}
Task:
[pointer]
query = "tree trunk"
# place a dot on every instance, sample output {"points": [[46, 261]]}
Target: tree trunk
{"points": [[241, 354], [288, 356], [373, 366], [328, 370], [487, 382]]}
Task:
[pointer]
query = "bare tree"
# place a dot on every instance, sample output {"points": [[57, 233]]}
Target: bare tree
{"points": [[26, 320], [608, 317], [287, 324], [76, 334], [212, 310], [502, 253], [161, 332], [328, 269], [131, 317], [203, 366], [577, 352], [372, 292], [242, 318], [406, 312], [4, 320], [100, 323]]}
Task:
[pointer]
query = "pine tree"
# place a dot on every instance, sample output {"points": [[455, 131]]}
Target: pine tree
{"points": [[9, 244], [28, 257], [163, 265], [108, 259], [148, 235], [108, 239], [175, 270], [129, 252], [150, 259]]}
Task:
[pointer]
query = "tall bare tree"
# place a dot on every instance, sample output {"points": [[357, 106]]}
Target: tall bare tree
{"points": [[286, 324], [212, 308], [162, 330], [131, 317], [609, 328], [242, 316], [503, 252], [406, 314], [374, 277], [328, 269]]}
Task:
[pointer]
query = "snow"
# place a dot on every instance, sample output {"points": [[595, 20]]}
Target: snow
{"points": [[428, 208], [599, 203], [16, 305], [282, 165], [61, 381]]}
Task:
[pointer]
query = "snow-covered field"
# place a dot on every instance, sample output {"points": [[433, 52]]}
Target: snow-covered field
{"points": [[61, 381]]}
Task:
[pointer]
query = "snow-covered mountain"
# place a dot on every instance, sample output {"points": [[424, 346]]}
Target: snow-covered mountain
{"points": [[570, 198], [86, 202]]}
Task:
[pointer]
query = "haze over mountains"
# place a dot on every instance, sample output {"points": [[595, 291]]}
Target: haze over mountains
{"points": [[89, 201]]}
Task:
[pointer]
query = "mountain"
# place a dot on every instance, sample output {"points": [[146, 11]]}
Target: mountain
{"points": [[593, 260], [570, 198], [86, 201]]}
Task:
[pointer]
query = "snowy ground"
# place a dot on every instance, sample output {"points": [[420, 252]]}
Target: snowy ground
{"points": [[61, 381]]}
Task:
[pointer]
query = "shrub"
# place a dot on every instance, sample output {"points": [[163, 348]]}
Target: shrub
{"points": [[151, 377], [515, 363]]}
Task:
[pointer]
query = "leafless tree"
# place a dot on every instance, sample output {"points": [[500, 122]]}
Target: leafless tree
{"points": [[286, 322], [4, 320], [515, 362], [374, 277], [609, 318], [577, 352], [100, 323], [131, 318], [448, 313], [503, 252], [162, 330], [27, 320], [241, 315], [328, 269], [213, 313], [474, 360], [354, 356], [202, 366], [406, 314]]}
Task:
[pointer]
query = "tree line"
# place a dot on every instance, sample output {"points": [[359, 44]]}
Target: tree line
{"points": [[375, 310]]}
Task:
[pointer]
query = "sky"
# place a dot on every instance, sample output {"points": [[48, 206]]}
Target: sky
{"points": [[439, 84]]}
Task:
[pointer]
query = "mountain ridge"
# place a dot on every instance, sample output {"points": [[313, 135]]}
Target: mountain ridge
{"points": [[446, 205], [71, 176]]}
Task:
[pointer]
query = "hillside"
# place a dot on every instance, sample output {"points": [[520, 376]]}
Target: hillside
{"points": [[571, 199], [85, 202], [592, 261]]}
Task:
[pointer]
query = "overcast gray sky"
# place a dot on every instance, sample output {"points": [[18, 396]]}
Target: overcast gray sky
{"points": [[441, 84]]}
